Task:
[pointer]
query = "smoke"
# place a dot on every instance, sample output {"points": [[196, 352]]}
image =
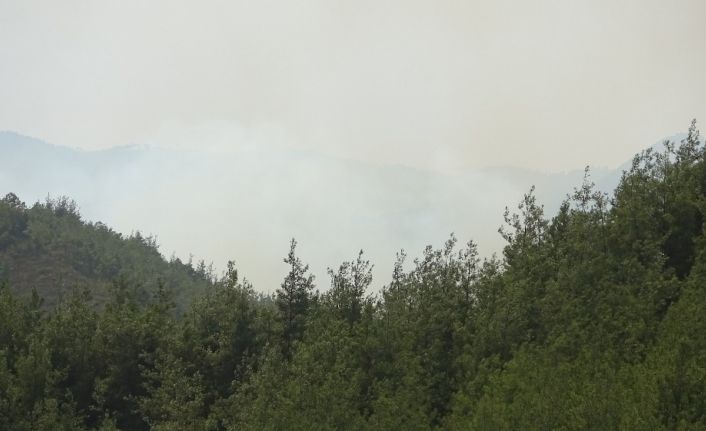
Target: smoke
{"points": [[438, 85], [245, 194]]}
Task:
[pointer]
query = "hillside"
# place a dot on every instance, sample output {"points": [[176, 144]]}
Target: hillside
{"points": [[591, 319], [50, 248]]}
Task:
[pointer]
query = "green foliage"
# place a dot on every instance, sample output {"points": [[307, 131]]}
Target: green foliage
{"points": [[293, 299], [591, 319], [48, 247]]}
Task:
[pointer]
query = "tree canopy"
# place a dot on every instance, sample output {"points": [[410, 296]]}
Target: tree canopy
{"points": [[592, 318]]}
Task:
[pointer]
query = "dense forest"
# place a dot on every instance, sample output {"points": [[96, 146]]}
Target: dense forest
{"points": [[592, 318]]}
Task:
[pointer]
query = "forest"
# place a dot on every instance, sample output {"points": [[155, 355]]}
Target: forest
{"points": [[593, 318]]}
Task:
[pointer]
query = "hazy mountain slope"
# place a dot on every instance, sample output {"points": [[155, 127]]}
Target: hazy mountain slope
{"points": [[246, 203]]}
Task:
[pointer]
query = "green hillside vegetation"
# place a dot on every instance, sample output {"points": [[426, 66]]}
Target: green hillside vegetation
{"points": [[49, 248], [593, 319]]}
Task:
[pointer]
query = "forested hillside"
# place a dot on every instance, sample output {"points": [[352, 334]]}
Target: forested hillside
{"points": [[592, 318], [49, 248]]}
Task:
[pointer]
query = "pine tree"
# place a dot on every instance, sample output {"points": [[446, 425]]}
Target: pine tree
{"points": [[294, 298]]}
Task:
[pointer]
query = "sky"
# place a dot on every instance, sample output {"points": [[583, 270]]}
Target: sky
{"points": [[436, 85], [366, 124]]}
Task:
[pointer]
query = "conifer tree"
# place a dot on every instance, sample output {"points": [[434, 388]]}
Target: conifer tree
{"points": [[294, 298]]}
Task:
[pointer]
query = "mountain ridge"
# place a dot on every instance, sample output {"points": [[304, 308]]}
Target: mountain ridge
{"points": [[364, 206]]}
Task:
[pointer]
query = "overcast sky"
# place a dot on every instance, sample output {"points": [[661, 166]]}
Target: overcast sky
{"points": [[546, 85]]}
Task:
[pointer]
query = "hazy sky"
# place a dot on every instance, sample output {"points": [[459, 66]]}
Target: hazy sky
{"points": [[547, 85]]}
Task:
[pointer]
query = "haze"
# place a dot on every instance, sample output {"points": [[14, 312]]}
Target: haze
{"points": [[548, 85], [444, 88]]}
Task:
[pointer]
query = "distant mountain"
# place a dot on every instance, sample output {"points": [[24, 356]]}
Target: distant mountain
{"points": [[245, 204]]}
